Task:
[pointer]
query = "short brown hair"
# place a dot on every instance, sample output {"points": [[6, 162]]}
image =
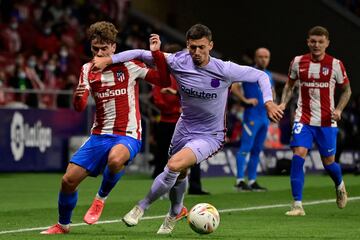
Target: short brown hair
{"points": [[318, 31], [199, 31], [102, 31]]}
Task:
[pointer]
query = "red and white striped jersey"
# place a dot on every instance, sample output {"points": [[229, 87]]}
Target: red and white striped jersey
{"points": [[317, 88], [116, 94]]}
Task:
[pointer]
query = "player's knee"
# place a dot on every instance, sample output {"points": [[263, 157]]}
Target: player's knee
{"points": [[174, 166], [115, 163], [300, 151], [328, 160], [68, 184]]}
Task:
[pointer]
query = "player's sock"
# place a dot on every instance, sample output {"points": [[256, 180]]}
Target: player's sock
{"points": [[240, 163], [238, 180], [297, 177], [66, 204], [250, 182], [65, 226], [334, 171], [176, 196], [252, 166], [109, 181], [297, 203], [161, 185]]}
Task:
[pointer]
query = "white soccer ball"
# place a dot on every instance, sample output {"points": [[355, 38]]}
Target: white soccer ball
{"points": [[203, 218]]}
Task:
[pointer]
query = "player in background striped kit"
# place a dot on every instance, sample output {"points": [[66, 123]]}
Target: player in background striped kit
{"points": [[316, 114]]}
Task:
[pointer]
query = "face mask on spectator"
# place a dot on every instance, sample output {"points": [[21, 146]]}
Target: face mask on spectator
{"points": [[21, 74], [47, 31], [31, 63], [51, 67], [64, 53], [14, 25]]}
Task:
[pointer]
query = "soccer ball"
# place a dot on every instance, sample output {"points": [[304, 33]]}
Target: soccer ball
{"points": [[203, 218]]}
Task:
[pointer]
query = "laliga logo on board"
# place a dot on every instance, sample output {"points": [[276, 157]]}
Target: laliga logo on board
{"points": [[23, 135]]}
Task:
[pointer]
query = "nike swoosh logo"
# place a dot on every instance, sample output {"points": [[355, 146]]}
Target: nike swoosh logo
{"points": [[330, 150]]}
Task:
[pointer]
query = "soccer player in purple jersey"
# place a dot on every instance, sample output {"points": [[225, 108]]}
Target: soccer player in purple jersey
{"points": [[203, 83]]}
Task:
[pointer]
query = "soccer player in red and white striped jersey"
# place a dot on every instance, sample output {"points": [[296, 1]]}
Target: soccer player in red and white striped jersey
{"points": [[116, 133], [316, 114]]}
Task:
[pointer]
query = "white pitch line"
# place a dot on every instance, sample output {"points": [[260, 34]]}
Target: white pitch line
{"points": [[162, 216]]}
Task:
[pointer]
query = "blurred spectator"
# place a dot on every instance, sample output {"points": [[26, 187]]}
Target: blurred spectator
{"points": [[2, 85], [10, 37], [23, 79], [273, 137], [46, 40], [64, 101]]}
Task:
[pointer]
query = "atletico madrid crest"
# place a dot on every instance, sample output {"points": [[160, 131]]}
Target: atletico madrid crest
{"points": [[325, 71], [120, 76]]}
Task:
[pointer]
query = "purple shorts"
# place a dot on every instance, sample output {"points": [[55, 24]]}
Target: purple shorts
{"points": [[203, 146]]}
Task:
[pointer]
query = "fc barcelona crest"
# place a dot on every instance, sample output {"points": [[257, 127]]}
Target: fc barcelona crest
{"points": [[120, 76], [325, 71]]}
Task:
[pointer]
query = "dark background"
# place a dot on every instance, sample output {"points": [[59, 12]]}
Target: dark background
{"points": [[239, 27]]}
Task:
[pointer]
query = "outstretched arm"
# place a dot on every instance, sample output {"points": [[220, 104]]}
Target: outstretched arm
{"points": [[287, 93], [161, 76], [238, 73], [143, 55], [344, 99]]}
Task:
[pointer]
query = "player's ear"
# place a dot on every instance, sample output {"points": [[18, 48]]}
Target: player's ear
{"points": [[328, 43], [211, 45], [113, 47]]}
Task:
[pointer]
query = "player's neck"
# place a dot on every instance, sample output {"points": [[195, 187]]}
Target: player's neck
{"points": [[317, 58], [206, 62]]}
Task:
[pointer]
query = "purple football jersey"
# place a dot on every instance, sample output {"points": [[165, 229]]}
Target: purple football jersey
{"points": [[204, 90]]}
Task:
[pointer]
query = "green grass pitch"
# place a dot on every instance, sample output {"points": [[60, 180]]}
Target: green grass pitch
{"points": [[29, 203]]}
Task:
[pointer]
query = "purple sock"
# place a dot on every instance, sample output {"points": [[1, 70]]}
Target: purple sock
{"points": [[176, 196], [161, 185]]}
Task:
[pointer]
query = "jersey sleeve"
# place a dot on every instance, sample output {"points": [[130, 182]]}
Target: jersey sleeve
{"points": [[239, 73], [80, 103], [294, 69], [340, 73], [139, 54], [160, 76]]}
